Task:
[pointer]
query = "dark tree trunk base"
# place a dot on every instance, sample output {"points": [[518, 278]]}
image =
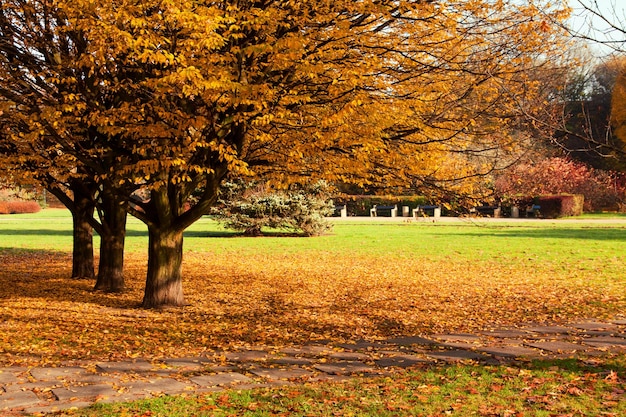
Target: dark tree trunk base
{"points": [[164, 280], [82, 258], [112, 239]]}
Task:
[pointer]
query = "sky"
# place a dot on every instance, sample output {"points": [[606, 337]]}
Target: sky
{"points": [[585, 22]]}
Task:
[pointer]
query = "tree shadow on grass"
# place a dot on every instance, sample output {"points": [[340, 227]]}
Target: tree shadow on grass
{"points": [[52, 232], [617, 234], [144, 233]]}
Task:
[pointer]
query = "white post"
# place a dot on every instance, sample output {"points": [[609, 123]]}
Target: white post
{"points": [[437, 212]]}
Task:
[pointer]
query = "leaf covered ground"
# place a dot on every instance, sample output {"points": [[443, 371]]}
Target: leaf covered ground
{"points": [[362, 282]]}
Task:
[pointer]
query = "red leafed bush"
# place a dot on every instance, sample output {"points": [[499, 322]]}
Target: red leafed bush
{"points": [[17, 207], [602, 190]]}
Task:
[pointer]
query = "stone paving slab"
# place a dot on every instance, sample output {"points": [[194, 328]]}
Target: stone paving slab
{"points": [[458, 337], [32, 386], [363, 345], [461, 345], [168, 386], [135, 366], [401, 361], [195, 363], [598, 333], [605, 342], [291, 360], [593, 325], [345, 368], [509, 351], [86, 391], [8, 377], [308, 350], [52, 374], [57, 407], [350, 356], [247, 356], [412, 340], [505, 333], [549, 329], [220, 379], [556, 346], [17, 399], [277, 374], [456, 355]]}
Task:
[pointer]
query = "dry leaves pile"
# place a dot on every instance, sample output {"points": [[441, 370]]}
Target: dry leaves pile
{"points": [[277, 300]]}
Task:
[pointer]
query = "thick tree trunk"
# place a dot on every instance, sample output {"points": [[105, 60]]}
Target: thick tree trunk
{"points": [[82, 255], [164, 280], [112, 238]]}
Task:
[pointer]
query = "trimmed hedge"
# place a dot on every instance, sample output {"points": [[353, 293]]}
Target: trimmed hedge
{"points": [[555, 206], [19, 207]]}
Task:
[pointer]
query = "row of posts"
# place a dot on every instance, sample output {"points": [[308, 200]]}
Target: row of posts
{"points": [[419, 212]]}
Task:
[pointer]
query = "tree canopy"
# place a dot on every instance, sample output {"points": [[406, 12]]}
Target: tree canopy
{"points": [[157, 99]]}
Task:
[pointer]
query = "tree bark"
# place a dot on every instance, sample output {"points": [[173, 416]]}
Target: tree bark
{"points": [[164, 279], [82, 256], [112, 238]]}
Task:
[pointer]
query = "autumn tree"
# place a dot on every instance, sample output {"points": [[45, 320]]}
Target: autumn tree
{"points": [[83, 196], [159, 99], [43, 162]]}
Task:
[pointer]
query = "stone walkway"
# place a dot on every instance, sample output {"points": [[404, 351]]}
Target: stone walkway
{"points": [[42, 390]]}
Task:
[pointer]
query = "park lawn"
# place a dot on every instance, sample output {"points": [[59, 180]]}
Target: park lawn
{"points": [[363, 281]]}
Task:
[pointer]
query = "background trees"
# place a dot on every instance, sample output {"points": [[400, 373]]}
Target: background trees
{"points": [[156, 100]]}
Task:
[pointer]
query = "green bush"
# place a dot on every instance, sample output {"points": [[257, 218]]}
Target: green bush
{"points": [[18, 207], [249, 207]]}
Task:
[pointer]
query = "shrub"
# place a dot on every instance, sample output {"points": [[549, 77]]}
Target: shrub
{"points": [[249, 207], [555, 206], [18, 207], [551, 176]]}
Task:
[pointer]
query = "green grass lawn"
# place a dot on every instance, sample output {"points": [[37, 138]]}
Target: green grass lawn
{"points": [[543, 239], [374, 279]]}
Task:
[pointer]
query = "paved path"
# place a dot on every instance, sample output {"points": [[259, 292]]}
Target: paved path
{"points": [[42, 390]]}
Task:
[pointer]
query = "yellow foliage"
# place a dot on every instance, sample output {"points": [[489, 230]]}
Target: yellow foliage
{"points": [[319, 88]]}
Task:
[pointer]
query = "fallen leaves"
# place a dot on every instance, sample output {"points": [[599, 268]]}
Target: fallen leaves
{"points": [[275, 299]]}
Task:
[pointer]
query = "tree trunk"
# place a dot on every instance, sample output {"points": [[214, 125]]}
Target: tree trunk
{"points": [[82, 255], [112, 238], [164, 280]]}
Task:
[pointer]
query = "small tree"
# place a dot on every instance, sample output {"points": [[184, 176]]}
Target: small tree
{"points": [[250, 206]]}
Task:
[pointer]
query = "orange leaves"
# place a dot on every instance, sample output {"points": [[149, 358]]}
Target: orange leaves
{"points": [[248, 297]]}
